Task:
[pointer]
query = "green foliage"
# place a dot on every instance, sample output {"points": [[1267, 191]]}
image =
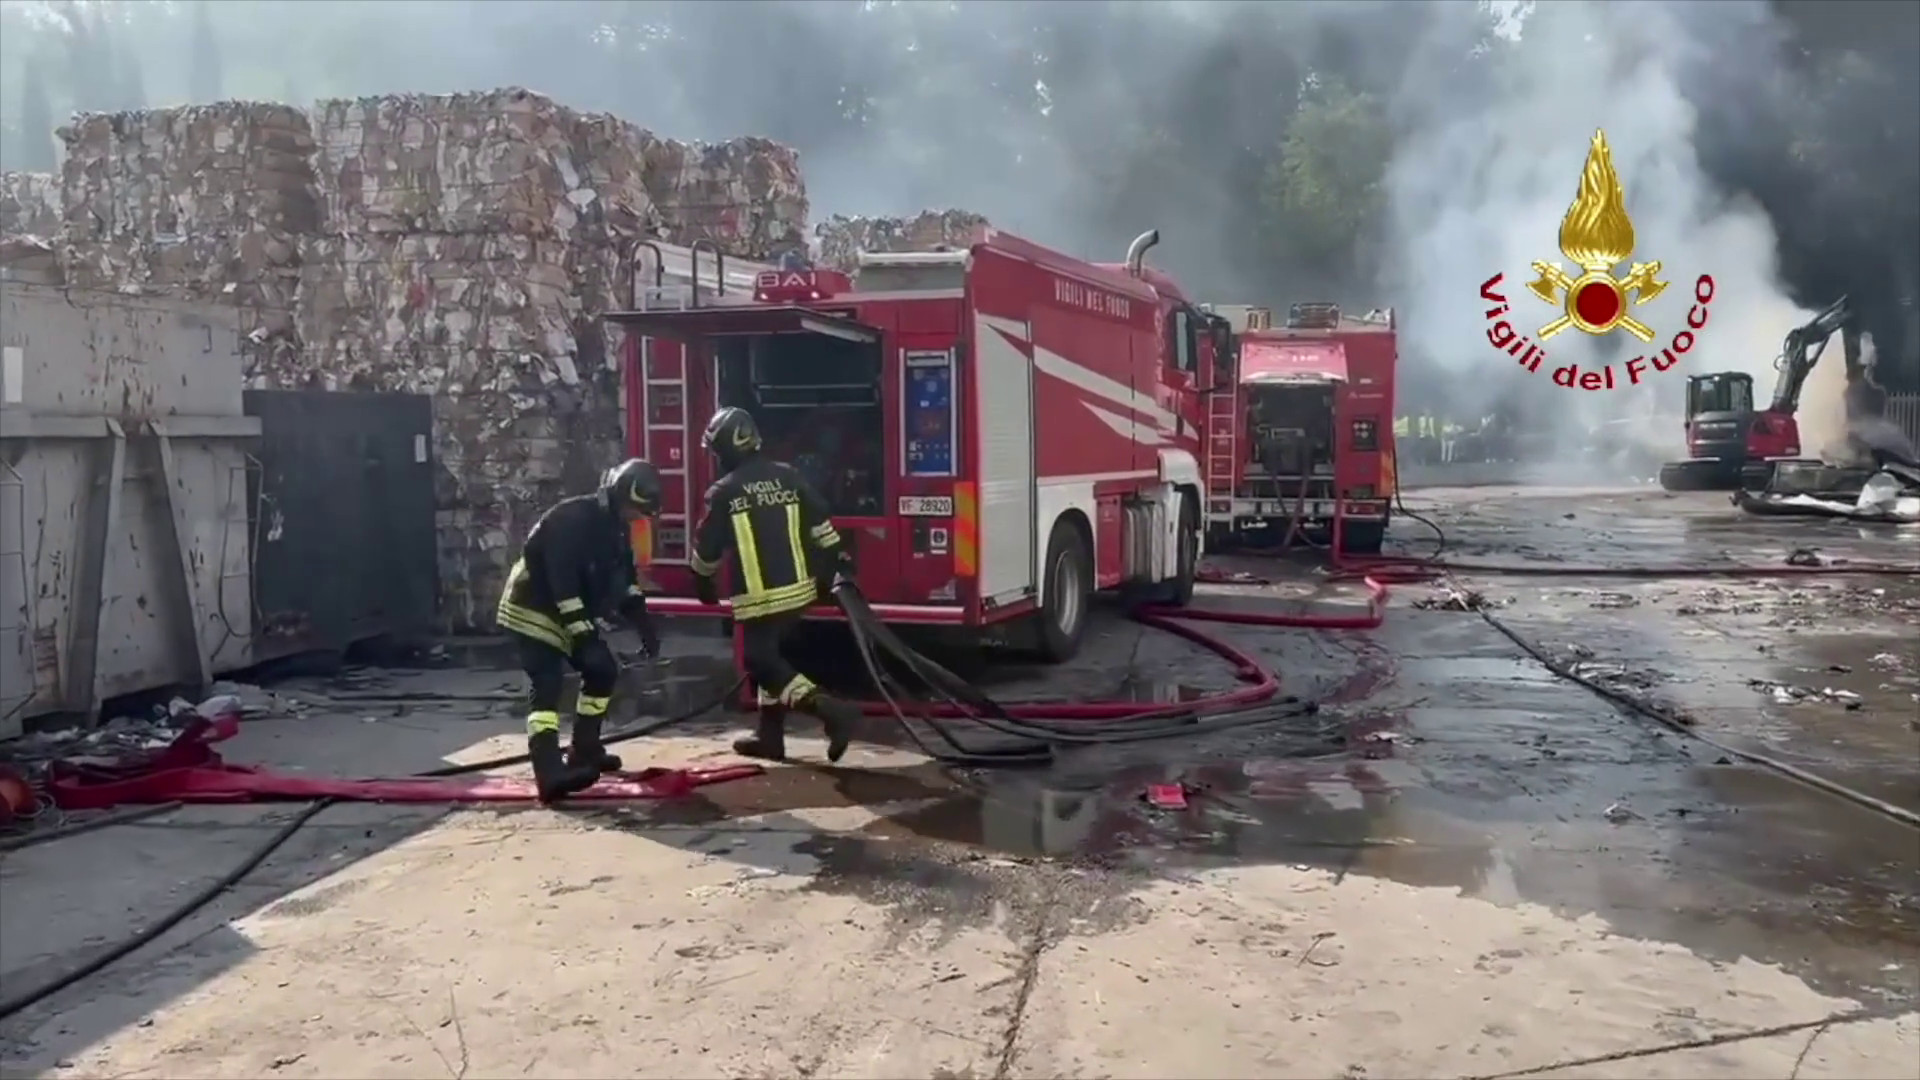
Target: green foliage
{"points": [[1323, 192]]}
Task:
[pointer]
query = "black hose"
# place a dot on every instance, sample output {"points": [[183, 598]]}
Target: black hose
{"points": [[1037, 740], [185, 910]]}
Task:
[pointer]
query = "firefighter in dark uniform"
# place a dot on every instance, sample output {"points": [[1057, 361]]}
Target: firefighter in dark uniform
{"points": [[576, 567], [771, 526]]}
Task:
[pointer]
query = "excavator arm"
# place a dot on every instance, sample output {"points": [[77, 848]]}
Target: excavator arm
{"points": [[1803, 349]]}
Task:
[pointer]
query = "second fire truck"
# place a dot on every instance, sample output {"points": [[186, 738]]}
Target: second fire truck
{"points": [[1000, 431], [1306, 433]]}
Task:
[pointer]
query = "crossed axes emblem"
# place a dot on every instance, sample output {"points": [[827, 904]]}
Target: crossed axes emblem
{"points": [[1557, 288]]}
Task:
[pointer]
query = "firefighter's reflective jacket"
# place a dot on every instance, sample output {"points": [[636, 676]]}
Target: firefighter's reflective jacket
{"points": [[767, 517], [577, 564]]}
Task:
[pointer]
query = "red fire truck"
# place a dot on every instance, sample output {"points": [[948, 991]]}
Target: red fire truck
{"points": [[1000, 431], [1308, 434]]}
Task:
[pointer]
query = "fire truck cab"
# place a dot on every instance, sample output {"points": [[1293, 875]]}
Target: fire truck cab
{"points": [[999, 431], [1304, 434]]}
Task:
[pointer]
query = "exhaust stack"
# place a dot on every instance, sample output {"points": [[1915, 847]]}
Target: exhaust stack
{"points": [[1137, 251]]}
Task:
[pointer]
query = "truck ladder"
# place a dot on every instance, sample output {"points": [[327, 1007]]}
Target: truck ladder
{"points": [[1223, 440], [662, 378]]}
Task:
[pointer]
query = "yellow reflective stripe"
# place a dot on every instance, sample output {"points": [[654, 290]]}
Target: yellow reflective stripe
{"points": [[570, 605], [825, 535], [776, 601], [752, 582], [635, 590], [797, 691], [588, 705], [701, 566], [580, 626], [531, 624], [541, 721], [794, 543], [762, 698], [966, 530]]}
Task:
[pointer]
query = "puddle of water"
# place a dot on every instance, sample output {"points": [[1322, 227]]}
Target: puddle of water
{"points": [[1709, 856]]}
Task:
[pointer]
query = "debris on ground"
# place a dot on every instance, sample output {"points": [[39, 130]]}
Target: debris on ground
{"points": [[1720, 600], [252, 702], [1805, 557], [1166, 796], [1616, 677], [1615, 600], [1620, 815], [1891, 496], [1459, 600], [1789, 694]]}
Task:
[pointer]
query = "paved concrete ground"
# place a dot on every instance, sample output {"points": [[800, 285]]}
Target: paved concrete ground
{"points": [[1463, 866]]}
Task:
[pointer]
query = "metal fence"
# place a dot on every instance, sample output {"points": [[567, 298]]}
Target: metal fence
{"points": [[1904, 411]]}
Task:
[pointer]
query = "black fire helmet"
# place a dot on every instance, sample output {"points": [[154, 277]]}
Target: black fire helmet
{"points": [[634, 482], [732, 436]]}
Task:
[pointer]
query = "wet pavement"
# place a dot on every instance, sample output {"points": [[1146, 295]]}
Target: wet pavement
{"points": [[1452, 807]]}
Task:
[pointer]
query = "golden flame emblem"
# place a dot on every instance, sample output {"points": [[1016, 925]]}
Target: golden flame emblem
{"points": [[1597, 235]]}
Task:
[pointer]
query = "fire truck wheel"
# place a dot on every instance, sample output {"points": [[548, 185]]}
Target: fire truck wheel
{"points": [[1069, 594], [1179, 591]]}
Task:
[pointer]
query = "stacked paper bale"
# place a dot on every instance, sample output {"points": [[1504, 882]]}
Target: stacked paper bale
{"points": [[745, 195], [841, 239], [473, 242], [29, 204], [206, 201]]}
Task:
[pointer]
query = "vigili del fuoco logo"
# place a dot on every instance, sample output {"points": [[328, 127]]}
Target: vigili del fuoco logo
{"points": [[1597, 236]]}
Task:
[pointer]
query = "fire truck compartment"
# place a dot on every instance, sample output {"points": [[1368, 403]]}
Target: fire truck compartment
{"points": [[817, 399], [1289, 432]]}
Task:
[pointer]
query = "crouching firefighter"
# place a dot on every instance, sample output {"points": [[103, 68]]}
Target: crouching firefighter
{"points": [[772, 527], [577, 565]]}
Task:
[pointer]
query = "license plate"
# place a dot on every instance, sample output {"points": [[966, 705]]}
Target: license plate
{"points": [[926, 506]]}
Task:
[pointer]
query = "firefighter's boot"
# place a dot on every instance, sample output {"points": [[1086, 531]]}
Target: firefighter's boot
{"points": [[587, 749], [553, 775], [838, 716], [769, 739]]}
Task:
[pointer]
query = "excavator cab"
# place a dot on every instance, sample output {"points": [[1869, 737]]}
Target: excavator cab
{"points": [[1722, 393]]}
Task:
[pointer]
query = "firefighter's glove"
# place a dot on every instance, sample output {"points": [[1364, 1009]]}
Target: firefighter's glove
{"points": [[705, 590], [633, 611]]}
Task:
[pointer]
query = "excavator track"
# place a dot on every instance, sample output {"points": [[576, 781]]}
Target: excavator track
{"points": [[1701, 474]]}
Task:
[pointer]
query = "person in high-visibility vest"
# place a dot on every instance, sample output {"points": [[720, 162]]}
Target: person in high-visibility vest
{"points": [[576, 566], [765, 519]]}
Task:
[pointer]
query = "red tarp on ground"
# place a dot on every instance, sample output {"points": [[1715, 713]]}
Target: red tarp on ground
{"points": [[190, 770]]}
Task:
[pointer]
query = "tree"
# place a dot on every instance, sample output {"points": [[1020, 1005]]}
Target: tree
{"points": [[1324, 192], [205, 79], [36, 120]]}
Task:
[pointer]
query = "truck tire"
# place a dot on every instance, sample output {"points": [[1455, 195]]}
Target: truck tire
{"points": [[1068, 599], [1178, 592]]}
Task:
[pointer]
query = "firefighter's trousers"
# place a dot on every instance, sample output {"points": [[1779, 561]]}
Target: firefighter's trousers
{"points": [[546, 669], [764, 644]]}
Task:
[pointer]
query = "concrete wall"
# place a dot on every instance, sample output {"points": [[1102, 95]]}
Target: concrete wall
{"points": [[124, 556]]}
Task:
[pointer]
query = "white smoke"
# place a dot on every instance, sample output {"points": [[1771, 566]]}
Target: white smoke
{"points": [[1478, 188]]}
